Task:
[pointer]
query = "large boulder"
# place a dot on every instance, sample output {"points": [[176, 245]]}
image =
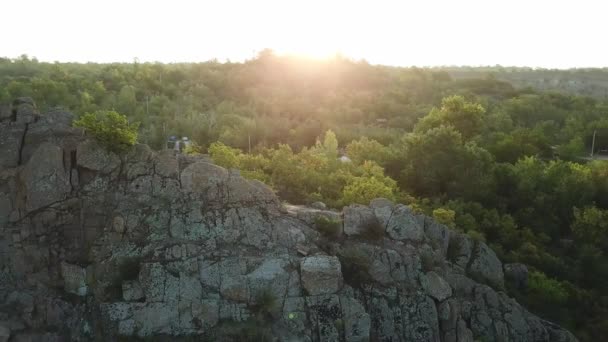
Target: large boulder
{"points": [[486, 267], [356, 321], [435, 286], [11, 138], [92, 156], [321, 274], [24, 110], [359, 220], [383, 209], [404, 224], [44, 178]]}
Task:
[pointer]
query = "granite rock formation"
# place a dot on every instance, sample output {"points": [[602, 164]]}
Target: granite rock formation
{"points": [[97, 247]]}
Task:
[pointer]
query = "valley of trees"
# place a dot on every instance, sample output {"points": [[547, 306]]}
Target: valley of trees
{"points": [[507, 166]]}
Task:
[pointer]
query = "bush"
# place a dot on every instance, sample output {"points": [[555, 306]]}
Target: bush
{"points": [[355, 266], [549, 289], [330, 228], [445, 217], [111, 129]]}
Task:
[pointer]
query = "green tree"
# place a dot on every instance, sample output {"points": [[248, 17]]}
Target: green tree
{"points": [[466, 117], [109, 128]]}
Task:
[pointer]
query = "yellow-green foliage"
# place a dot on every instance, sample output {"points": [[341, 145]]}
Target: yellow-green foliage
{"points": [[550, 289], [313, 174], [110, 129], [445, 216]]}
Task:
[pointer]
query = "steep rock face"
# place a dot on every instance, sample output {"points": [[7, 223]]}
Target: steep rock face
{"points": [[95, 246]]}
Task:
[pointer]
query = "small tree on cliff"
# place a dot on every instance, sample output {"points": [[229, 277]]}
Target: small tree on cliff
{"points": [[110, 129]]}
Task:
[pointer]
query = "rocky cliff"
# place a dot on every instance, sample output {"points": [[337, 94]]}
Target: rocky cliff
{"points": [[96, 246]]}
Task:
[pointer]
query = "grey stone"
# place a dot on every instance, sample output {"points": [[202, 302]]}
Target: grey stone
{"points": [[321, 274], [356, 321], [90, 155], [44, 178], [383, 209], [166, 165], [435, 286], [459, 249], [420, 318], [486, 267], [270, 275], [388, 267], [405, 225], [438, 234], [155, 318], [318, 205], [11, 137], [131, 291], [74, 279], [325, 316], [517, 274], [359, 220], [25, 110]]}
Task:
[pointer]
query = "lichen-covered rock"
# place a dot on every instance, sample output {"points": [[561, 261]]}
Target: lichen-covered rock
{"points": [[383, 209], [325, 316], [74, 279], [91, 155], [131, 291], [358, 220], [388, 267], [459, 249], [321, 274], [405, 225], [420, 313], [486, 267], [44, 178], [435, 286], [355, 320], [11, 137]]}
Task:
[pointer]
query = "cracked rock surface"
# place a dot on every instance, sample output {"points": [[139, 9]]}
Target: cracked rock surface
{"points": [[100, 247]]}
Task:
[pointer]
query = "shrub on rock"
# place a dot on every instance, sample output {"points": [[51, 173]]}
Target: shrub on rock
{"points": [[110, 129]]}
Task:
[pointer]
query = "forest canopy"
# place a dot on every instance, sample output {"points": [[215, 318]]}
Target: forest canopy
{"points": [[505, 165]]}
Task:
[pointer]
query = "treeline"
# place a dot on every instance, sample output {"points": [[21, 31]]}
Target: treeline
{"points": [[503, 165]]}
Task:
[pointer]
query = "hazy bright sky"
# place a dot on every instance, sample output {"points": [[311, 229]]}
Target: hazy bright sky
{"points": [[431, 32]]}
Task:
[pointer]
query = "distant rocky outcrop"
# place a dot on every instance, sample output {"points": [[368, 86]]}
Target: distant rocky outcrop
{"points": [[99, 247]]}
